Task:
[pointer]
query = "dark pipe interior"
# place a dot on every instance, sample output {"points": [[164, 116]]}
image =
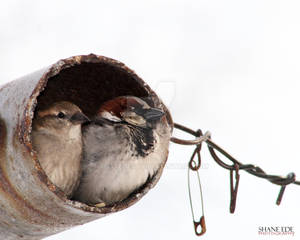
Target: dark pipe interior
{"points": [[90, 84]]}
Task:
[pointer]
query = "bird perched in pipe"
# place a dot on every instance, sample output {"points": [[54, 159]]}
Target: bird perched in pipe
{"points": [[123, 147], [57, 140]]}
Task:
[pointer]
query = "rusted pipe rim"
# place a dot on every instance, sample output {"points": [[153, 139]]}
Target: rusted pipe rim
{"points": [[40, 90]]}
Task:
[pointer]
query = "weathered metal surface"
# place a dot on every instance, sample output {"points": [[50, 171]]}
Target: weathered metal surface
{"points": [[31, 207]]}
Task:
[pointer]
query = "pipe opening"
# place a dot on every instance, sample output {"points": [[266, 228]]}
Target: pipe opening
{"points": [[88, 85], [88, 82]]}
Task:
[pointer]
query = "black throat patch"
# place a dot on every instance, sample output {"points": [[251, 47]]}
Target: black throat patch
{"points": [[143, 140]]}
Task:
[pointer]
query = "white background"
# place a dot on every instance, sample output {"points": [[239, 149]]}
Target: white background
{"points": [[231, 67]]}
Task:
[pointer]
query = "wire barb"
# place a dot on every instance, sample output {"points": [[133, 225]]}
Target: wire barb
{"points": [[234, 188], [234, 168]]}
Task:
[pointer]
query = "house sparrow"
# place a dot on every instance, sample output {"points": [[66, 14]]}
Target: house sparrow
{"points": [[57, 139], [124, 146]]}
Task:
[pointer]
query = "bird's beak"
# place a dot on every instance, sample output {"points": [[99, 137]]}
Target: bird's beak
{"points": [[79, 118], [153, 114]]}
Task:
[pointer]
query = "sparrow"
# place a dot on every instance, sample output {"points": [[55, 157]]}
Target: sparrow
{"points": [[57, 140], [123, 147]]}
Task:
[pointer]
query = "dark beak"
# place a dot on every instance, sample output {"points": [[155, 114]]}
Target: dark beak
{"points": [[79, 118], [153, 114]]}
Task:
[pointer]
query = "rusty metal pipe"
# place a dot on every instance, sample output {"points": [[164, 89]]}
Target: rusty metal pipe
{"points": [[31, 207]]}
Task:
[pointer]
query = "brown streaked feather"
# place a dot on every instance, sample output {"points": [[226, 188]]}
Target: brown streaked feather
{"points": [[120, 104]]}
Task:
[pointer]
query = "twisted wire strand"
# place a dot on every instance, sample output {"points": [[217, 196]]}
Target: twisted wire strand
{"points": [[236, 165]]}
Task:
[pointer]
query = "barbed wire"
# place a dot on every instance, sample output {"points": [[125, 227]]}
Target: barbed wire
{"points": [[234, 169]]}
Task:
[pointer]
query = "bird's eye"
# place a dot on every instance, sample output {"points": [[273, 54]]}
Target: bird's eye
{"points": [[61, 115]]}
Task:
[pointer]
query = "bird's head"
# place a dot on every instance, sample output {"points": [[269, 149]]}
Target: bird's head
{"points": [[60, 115], [130, 110]]}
